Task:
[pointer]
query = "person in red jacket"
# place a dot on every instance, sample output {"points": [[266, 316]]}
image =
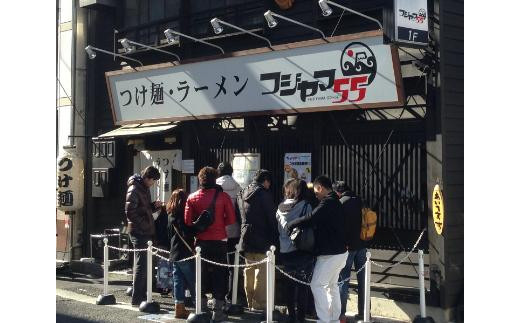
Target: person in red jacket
{"points": [[212, 241]]}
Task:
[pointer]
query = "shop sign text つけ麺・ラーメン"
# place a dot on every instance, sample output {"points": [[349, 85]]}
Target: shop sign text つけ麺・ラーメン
{"points": [[361, 73]]}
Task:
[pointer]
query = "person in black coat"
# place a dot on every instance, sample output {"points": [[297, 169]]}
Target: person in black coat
{"points": [[259, 231], [357, 248], [330, 231], [181, 247]]}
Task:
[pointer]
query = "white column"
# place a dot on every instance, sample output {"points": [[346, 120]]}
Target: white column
{"points": [[105, 267], [149, 273], [421, 285], [366, 317], [198, 290]]}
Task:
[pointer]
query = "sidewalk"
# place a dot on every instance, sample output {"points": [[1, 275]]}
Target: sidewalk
{"points": [[82, 288]]}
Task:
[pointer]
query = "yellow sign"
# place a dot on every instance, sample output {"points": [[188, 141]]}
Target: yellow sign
{"points": [[438, 209]]}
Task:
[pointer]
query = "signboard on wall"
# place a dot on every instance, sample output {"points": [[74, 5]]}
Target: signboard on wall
{"points": [[297, 165], [245, 167], [438, 209], [352, 71], [166, 161], [70, 182], [411, 21]]}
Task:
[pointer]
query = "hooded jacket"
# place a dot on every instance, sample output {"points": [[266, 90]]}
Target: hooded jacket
{"points": [[257, 211], [329, 223], [231, 187], [139, 207], [352, 205], [289, 210]]}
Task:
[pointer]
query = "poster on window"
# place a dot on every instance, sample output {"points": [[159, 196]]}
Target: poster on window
{"points": [[297, 165], [166, 161], [245, 167]]}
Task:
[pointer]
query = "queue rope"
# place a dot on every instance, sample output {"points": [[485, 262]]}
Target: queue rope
{"points": [[404, 258], [127, 250]]}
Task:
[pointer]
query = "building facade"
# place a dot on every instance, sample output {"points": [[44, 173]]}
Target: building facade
{"points": [[392, 155]]}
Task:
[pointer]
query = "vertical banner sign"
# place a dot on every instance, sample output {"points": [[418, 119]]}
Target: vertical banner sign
{"points": [[245, 167], [70, 183], [438, 209], [297, 165], [411, 21]]}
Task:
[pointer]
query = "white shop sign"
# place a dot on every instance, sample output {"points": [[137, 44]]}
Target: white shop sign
{"points": [[360, 73], [411, 21]]}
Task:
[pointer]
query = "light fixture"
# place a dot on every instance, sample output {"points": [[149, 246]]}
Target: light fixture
{"points": [[217, 28], [326, 10], [127, 46], [271, 22], [171, 35], [91, 51], [126, 43]]}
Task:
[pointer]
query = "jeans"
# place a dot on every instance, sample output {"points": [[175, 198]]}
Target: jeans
{"points": [[183, 276], [324, 286], [358, 258], [255, 281], [139, 291], [214, 278]]}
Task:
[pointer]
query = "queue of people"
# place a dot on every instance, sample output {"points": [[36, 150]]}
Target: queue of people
{"points": [[248, 217]]}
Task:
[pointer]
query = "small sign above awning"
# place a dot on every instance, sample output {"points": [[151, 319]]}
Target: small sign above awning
{"points": [[140, 129]]}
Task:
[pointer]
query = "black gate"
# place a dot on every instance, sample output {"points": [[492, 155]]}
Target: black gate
{"points": [[383, 161]]}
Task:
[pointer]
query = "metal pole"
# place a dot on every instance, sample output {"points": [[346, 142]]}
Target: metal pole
{"points": [[105, 267], [235, 277], [273, 280], [269, 317], [366, 317], [198, 292], [421, 285], [90, 246], [149, 273]]}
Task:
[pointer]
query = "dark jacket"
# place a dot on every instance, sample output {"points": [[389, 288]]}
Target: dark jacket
{"points": [[329, 224], [161, 229], [178, 250], [259, 229], [139, 207], [352, 209]]}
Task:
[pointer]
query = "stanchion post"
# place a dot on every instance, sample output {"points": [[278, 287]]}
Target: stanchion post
{"points": [[149, 306], [421, 285], [198, 289], [234, 308], [198, 316], [269, 314], [366, 316], [273, 280], [105, 298], [235, 276], [422, 296]]}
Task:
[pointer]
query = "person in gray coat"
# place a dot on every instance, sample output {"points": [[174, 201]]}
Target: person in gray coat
{"points": [[296, 263]]}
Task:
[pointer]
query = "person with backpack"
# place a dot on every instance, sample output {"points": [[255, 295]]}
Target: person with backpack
{"points": [[181, 247], [231, 187], [330, 247], [297, 263], [259, 232], [351, 205], [209, 202]]}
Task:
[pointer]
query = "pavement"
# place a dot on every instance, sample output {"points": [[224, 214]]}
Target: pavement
{"points": [[76, 302]]}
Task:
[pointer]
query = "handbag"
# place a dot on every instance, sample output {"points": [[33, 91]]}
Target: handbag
{"points": [[206, 217], [303, 238]]}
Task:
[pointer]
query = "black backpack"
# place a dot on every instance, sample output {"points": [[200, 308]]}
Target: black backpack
{"points": [[206, 217]]}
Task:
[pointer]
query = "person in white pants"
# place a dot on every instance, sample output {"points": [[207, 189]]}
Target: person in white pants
{"points": [[330, 247], [324, 286]]}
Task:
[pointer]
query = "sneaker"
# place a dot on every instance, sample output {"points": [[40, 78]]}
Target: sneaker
{"points": [[343, 319]]}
